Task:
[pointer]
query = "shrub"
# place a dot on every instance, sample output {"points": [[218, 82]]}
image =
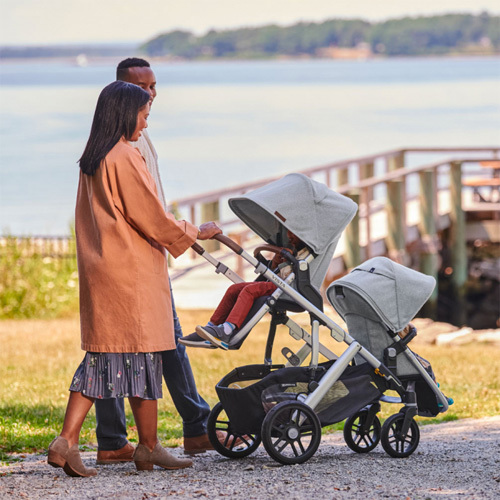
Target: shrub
{"points": [[37, 281]]}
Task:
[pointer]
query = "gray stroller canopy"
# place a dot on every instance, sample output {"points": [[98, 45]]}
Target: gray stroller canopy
{"points": [[395, 292], [309, 209]]}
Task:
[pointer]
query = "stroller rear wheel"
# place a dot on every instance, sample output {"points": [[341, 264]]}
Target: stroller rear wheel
{"points": [[357, 437], [235, 445], [396, 444], [291, 432]]}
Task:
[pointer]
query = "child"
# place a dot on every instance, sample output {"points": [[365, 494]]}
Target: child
{"points": [[239, 298]]}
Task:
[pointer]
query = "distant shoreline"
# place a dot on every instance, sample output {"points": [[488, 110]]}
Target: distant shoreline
{"points": [[97, 60]]}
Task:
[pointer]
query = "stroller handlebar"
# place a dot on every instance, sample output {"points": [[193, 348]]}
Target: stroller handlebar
{"points": [[197, 248], [223, 239], [229, 243]]}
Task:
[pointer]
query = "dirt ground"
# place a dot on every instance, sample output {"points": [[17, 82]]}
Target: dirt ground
{"points": [[454, 460]]}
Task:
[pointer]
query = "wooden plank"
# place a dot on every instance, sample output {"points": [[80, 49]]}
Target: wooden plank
{"points": [[352, 255], [481, 181], [396, 161], [365, 201], [429, 258], [366, 170], [396, 220], [494, 164], [210, 212], [343, 176], [458, 244]]}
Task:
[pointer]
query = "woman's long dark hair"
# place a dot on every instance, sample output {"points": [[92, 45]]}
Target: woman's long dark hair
{"points": [[115, 117]]}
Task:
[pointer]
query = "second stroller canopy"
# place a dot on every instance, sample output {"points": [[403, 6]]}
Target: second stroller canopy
{"points": [[309, 209], [395, 292]]}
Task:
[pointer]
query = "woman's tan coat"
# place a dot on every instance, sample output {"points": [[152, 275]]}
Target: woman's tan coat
{"points": [[121, 229]]}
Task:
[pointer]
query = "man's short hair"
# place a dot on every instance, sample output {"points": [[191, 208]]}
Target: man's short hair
{"points": [[130, 62]]}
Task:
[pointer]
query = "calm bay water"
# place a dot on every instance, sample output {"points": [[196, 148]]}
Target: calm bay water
{"points": [[223, 123]]}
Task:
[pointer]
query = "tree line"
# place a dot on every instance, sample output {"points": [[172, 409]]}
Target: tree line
{"points": [[407, 36]]}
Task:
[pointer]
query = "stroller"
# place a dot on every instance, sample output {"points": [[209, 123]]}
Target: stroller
{"points": [[286, 405]]}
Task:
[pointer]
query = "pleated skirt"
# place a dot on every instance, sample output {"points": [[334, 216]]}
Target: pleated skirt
{"points": [[119, 375]]}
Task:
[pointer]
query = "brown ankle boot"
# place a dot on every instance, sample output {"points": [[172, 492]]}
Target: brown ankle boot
{"points": [[58, 451], [74, 466], [145, 459], [61, 455]]}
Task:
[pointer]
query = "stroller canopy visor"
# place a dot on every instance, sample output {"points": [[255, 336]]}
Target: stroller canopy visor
{"points": [[395, 292], [309, 209]]}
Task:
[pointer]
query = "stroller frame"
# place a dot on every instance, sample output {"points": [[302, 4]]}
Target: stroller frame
{"points": [[306, 404]]}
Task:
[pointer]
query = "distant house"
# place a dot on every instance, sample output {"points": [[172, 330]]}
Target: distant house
{"points": [[361, 51]]}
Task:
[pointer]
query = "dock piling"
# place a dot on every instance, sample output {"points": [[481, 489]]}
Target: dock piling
{"points": [[429, 257], [458, 243]]}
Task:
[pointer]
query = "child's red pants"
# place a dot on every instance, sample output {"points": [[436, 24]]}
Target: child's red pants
{"points": [[238, 300]]}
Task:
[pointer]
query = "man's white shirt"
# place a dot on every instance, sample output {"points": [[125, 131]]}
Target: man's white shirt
{"points": [[148, 152]]}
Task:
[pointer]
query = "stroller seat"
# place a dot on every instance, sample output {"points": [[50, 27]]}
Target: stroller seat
{"points": [[377, 300]]}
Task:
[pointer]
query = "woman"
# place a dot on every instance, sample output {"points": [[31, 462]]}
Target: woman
{"points": [[126, 319]]}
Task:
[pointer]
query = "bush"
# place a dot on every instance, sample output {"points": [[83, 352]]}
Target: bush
{"points": [[37, 282]]}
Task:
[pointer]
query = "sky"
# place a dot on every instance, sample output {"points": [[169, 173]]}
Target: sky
{"points": [[48, 22]]}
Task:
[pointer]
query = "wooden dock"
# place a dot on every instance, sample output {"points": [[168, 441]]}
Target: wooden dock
{"points": [[408, 208]]}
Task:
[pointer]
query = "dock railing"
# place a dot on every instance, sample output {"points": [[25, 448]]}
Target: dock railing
{"points": [[380, 182]]}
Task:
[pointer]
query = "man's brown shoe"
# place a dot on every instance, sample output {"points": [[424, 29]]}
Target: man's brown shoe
{"points": [[124, 454], [201, 444]]}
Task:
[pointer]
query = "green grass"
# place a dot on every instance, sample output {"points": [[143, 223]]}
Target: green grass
{"points": [[35, 284], [38, 359]]}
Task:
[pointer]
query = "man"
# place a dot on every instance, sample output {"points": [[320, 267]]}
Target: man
{"points": [[113, 446]]}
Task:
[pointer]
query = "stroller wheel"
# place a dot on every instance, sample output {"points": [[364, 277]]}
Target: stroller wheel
{"points": [[358, 439], [235, 445], [395, 444], [291, 432]]}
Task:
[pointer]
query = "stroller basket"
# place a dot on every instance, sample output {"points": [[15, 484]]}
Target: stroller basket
{"points": [[247, 406]]}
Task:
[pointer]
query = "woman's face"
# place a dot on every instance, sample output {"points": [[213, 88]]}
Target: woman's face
{"points": [[142, 122]]}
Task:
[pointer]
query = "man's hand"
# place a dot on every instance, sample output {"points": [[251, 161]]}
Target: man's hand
{"points": [[208, 230]]}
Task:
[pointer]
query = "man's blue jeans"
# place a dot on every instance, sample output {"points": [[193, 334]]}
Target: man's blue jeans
{"points": [[110, 413]]}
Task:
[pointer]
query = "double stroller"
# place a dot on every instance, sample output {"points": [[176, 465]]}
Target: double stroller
{"points": [[284, 406]]}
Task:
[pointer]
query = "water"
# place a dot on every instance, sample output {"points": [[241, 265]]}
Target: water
{"points": [[223, 123]]}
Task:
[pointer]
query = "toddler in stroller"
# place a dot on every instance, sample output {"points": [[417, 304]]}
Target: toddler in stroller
{"points": [[309, 220], [240, 297]]}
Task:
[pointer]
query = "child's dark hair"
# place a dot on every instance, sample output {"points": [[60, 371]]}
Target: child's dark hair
{"points": [[130, 62], [115, 117]]}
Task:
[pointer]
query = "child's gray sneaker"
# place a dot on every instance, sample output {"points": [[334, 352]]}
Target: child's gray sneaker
{"points": [[214, 334], [194, 340]]}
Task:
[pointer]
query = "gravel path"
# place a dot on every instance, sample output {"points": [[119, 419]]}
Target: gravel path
{"points": [[455, 460]]}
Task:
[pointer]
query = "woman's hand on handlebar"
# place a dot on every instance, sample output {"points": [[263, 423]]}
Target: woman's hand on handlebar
{"points": [[208, 230]]}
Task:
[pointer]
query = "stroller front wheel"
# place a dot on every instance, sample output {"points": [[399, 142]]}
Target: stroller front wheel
{"points": [[359, 438], [291, 432], [234, 445], [396, 444]]}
